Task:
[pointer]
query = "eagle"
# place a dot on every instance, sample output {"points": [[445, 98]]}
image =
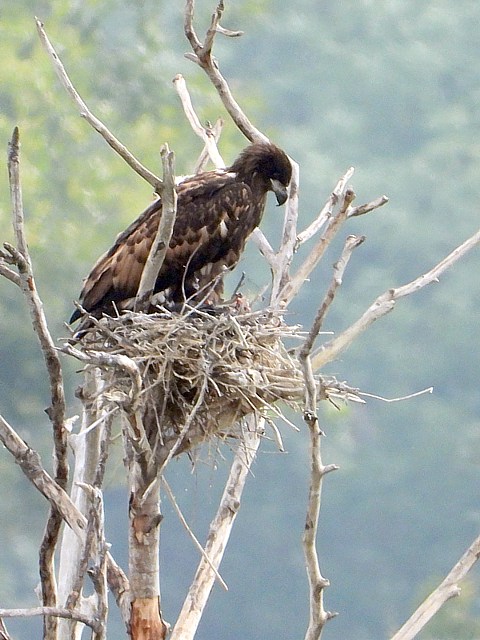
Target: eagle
{"points": [[216, 212]]}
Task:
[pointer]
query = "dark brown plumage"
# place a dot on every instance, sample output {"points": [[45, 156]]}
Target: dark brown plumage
{"points": [[216, 212]]}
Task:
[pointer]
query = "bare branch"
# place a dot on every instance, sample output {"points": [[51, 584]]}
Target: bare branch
{"points": [[85, 556], [188, 27], [304, 353], [213, 29], [293, 287], [9, 274], [194, 539], [447, 589], [351, 243], [317, 582], [94, 551], [327, 211], [366, 208], [159, 247], [264, 246], [202, 56], [98, 573], [47, 570], [4, 635], [204, 157], [92, 120], [220, 529], [29, 462], [287, 248], [204, 133], [228, 33], [56, 411], [386, 302], [102, 359], [50, 611]]}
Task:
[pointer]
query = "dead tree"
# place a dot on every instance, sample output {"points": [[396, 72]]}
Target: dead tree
{"points": [[173, 381]]}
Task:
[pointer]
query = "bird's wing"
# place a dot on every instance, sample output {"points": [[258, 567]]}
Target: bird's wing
{"points": [[210, 222], [212, 218], [116, 274]]}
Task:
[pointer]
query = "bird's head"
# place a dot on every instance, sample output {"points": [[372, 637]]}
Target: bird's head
{"points": [[267, 163]]}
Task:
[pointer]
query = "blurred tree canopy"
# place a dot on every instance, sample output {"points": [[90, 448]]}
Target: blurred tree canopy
{"points": [[390, 88]]}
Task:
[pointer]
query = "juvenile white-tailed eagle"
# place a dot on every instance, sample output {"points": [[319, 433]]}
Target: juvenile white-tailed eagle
{"points": [[216, 212]]}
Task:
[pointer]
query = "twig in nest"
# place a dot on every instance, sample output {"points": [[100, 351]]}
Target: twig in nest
{"points": [[196, 376], [102, 359], [187, 424], [400, 399]]}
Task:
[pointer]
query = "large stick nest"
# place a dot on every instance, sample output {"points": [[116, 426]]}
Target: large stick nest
{"points": [[201, 373]]}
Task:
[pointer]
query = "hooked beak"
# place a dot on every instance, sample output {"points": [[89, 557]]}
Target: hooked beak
{"points": [[280, 191]]}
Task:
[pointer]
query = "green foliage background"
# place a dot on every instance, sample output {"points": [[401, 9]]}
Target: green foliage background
{"points": [[390, 88]]}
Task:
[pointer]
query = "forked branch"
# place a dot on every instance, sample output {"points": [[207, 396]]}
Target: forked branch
{"points": [[318, 614], [202, 55], [20, 256], [326, 213], [30, 463], [303, 272], [207, 134], [386, 302]]}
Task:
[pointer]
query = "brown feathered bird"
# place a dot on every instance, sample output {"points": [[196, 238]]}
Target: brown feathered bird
{"points": [[216, 212]]}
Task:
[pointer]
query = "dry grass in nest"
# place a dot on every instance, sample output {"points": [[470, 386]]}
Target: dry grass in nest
{"points": [[201, 373]]}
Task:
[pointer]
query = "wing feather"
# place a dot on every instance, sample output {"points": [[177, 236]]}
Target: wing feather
{"points": [[215, 215]]}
